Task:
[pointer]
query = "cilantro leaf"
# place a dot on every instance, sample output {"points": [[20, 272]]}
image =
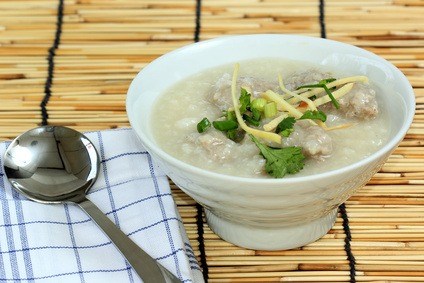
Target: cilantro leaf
{"points": [[280, 161], [285, 127], [231, 134], [318, 115], [244, 100]]}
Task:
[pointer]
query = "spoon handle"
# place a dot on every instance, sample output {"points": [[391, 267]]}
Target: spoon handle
{"points": [[149, 270]]}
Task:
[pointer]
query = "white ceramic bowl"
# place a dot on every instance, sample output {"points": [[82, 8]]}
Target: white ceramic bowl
{"points": [[268, 214]]}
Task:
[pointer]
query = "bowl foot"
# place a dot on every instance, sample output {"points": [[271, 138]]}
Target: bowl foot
{"points": [[265, 238]]}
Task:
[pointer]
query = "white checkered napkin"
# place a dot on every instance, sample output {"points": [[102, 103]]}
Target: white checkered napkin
{"points": [[60, 243]]}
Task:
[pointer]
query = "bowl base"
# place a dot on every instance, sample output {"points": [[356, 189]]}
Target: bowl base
{"points": [[262, 238]]}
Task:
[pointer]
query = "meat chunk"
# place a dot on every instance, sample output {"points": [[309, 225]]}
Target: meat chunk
{"points": [[222, 91], [314, 140], [307, 77], [217, 146], [213, 147], [360, 102]]}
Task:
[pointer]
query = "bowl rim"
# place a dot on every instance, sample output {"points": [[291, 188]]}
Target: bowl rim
{"points": [[390, 146]]}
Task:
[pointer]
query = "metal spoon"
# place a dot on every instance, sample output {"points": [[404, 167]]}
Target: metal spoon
{"points": [[54, 164]]}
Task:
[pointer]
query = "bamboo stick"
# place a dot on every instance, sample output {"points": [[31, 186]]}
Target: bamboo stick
{"points": [[392, 278], [314, 274], [364, 267], [253, 260], [249, 269]]}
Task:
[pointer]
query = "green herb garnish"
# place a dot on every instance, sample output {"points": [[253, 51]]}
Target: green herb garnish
{"points": [[322, 84], [280, 161], [250, 120], [231, 134], [317, 115], [270, 109], [285, 127], [225, 125], [244, 101], [326, 81], [203, 125], [256, 114], [258, 103]]}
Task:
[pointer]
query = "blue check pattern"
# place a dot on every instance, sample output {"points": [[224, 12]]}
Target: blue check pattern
{"points": [[60, 243]]}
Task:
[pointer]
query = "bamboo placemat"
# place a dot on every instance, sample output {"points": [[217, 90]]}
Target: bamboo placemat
{"points": [[80, 56]]}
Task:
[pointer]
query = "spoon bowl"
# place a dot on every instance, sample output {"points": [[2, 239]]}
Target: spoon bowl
{"points": [[52, 164], [55, 164]]}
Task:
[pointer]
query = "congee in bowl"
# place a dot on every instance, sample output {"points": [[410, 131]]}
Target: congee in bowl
{"points": [[270, 133], [195, 121]]}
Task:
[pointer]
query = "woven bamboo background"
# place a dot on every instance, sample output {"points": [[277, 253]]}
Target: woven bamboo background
{"points": [[105, 43]]}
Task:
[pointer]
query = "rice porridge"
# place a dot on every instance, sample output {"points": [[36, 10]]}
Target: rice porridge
{"points": [[355, 123]]}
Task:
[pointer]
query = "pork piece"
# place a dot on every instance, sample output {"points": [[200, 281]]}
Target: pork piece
{"points": [[314, 140], [360, 102], [215, 143], [255, 86], [308, 77], [214, 146]]}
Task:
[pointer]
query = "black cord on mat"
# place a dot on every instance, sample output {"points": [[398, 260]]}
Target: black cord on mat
{"points": [[322, 18], [197, 30], [342, 207], [50, 61], [199, 217], [347, 240], [201, 240]]}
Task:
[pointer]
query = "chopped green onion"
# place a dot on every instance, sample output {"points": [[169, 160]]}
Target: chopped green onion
{"points": [[258, 103], [256, 114], [331, 96], [326, 90], [326, 81], [225, 125], [203, 125], [231, 116], [270, 109], [251, 120], [287, 132], [231, 134]]}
